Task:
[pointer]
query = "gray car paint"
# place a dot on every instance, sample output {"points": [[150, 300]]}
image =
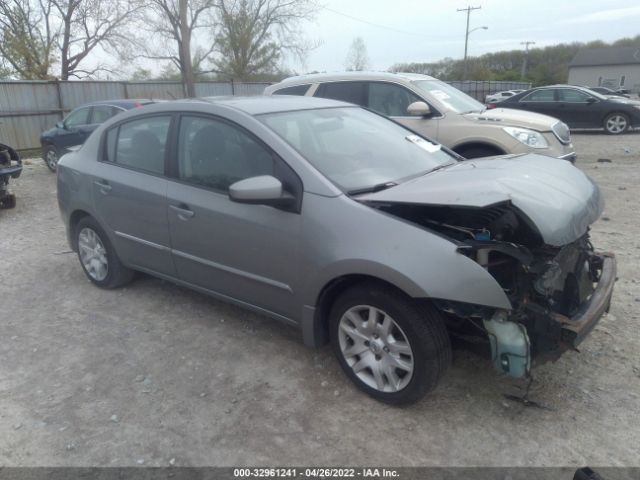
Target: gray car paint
{"points": [[263, 258], [560, 199]]}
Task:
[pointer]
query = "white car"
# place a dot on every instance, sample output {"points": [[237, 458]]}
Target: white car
{"points": [[499, 96]]}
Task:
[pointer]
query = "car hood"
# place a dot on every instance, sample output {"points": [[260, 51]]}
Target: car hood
{"points": [[560, 200], [509, 117], [626, 101]]}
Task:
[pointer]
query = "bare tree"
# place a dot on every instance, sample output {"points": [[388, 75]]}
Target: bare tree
{"points": [[177, 20], [255, 34], [88, 24], [27, 38], [357, 58]]}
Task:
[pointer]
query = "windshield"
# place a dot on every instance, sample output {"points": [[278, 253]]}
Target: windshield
{"points": [[449, 96], [355, 148]]}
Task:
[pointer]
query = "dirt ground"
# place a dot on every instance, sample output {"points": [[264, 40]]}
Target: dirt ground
{"points": [[155, 373]]}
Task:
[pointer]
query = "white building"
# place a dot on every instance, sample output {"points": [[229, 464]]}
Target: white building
{"points": [[613, 67]]}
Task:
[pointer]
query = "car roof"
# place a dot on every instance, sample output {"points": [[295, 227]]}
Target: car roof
{"points": [[255, 105], [126, 103], [338, 76]]}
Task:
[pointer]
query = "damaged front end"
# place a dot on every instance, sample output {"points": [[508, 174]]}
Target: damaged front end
{"points": [[557, 293]]}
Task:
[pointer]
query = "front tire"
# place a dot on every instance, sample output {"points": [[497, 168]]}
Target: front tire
{"points": [[616, 123], [50, 155], [393, 348], [97, 256]]}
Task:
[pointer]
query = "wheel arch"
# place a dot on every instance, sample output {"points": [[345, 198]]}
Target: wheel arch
{"points": [[315, 327], [472, 144], [74, 219]]}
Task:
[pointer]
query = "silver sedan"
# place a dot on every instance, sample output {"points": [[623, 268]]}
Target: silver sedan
{"points": [[347, 225]]}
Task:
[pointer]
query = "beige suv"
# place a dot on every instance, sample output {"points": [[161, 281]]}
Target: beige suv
{"points": [[439, 111]]}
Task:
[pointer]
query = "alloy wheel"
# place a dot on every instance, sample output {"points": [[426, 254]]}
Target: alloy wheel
{"points": [[93, 255], [52, 159], [616, 124], [375, 348]]}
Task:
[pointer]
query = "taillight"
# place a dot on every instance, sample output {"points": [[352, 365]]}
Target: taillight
{"points": [[138, 105], [491, 105]]}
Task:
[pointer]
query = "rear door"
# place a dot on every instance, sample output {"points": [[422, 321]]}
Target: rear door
{"points": [[245, 252], [130, 192]]}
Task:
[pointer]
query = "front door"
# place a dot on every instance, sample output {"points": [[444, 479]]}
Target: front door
{"points": [[248, 253]]}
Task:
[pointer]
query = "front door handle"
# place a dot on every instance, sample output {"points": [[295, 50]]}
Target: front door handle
{"points": [[103, 185], [183, 211]]}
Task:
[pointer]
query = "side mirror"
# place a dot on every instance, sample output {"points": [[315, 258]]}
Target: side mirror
{"points": [[418, 109], [60, 125], [264, 190], [591, 100]]}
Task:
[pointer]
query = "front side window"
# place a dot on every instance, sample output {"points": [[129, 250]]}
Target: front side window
{"points": [[390, 99], [139, 144], [545, 95], [352, 92], [216, 154], [355, 148], [77, 118], [299, 90], [573, 96]]}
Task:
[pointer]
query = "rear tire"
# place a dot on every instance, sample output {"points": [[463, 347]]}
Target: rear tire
{"points": [[97, 256], [50, 155], [392, 347], [616, 123]]}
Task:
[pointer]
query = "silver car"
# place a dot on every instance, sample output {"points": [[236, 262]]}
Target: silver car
{"points": [[347, 225]]}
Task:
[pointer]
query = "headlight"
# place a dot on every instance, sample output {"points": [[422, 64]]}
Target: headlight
{"points": [[530, 138]]}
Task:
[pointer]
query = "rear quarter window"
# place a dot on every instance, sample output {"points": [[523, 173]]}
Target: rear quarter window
{"points": [[299, 90]]}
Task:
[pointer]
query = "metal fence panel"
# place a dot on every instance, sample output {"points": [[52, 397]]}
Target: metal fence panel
{"points": [[214, 89], [156, 90], [23, 132], [74, 94], [28, 96], [249, 89], [479, 89]]}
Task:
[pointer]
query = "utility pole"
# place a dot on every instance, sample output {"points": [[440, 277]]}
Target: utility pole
{"points": [[525, 60], [469, 9]]}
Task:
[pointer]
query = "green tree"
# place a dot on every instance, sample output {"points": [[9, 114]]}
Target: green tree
{"points": [[27, 38], [254, 35]]}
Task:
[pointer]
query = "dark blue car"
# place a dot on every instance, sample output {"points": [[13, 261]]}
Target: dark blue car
{"points": [[78, 125]]}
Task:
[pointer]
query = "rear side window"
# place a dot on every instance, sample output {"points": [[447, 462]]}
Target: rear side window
{"points": [[139, 144], [77, 117], [102, 113], [297, 90], [546, 95], [352, 92]]}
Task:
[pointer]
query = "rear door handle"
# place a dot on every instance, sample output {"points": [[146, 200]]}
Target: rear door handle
{"points": [[103, 185], [183, 211]]}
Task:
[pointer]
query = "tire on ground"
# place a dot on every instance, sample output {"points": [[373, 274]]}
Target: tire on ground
{"points": [[423, 327]]}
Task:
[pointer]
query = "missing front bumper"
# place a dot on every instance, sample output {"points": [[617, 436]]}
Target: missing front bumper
{"points": [[575, 329]]}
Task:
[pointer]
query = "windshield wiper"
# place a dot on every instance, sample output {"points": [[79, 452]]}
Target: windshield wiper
{"points": [[375, 188]]}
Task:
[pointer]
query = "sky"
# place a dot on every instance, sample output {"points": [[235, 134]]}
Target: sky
{"points": [[398, 31]]}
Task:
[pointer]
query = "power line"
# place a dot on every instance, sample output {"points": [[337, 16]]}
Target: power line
{"points": [[385, 27]]}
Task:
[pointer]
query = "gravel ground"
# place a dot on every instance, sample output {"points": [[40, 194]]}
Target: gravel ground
{"points": [[155, 373]]}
